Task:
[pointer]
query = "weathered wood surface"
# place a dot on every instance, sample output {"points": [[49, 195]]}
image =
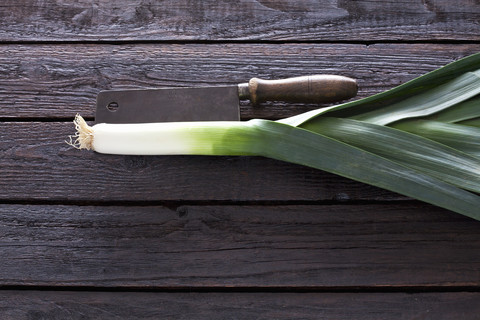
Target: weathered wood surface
{"points": [[57, 81], [54, 20], [231, 228], [21, 305], [331, 246], [37, 164]]}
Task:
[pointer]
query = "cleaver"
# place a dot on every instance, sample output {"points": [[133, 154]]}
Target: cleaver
{"points": [[216, 103]]}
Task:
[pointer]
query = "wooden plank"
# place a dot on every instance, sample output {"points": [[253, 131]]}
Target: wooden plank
{"points": [[57, 81], [28, 20], [49, 81], [338, 246], [37, 164], [20, 305]]}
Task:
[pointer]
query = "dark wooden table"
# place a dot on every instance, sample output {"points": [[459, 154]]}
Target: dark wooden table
{"points": [[85, 235]]}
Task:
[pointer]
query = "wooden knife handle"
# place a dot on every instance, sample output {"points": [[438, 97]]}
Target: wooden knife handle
{"points": [[308, 89]]}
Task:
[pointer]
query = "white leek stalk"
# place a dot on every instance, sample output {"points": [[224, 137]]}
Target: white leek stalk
{"points": [[169, 138]]}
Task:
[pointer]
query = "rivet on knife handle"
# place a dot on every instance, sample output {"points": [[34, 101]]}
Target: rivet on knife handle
{"points": [[307, 89]]}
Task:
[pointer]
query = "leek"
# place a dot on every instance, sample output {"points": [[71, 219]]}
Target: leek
{"points": [[420, 139], [278, 141]]}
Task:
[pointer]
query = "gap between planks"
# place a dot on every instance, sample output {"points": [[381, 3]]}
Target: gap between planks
{"points": [[259, 289], [237, 41]]}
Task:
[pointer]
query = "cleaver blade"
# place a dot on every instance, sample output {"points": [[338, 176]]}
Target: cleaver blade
{"points": [[218, 103]]}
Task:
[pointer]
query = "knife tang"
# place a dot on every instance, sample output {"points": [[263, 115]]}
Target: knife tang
{"points": [[312, 89]]}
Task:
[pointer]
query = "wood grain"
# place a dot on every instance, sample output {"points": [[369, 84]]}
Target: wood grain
{"points": [[338, 246], [59, 20], [57, 81], [37, 164], [215, 225], [20, 305]]}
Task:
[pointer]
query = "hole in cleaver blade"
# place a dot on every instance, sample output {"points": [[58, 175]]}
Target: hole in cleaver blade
{"points": [[168, 105]]}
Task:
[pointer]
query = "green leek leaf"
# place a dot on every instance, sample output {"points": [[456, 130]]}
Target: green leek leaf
{"points": [[384, 99], [300, 146], [429, 102], [463, 111], [460, 137], [416, 152], [475, 122]]}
